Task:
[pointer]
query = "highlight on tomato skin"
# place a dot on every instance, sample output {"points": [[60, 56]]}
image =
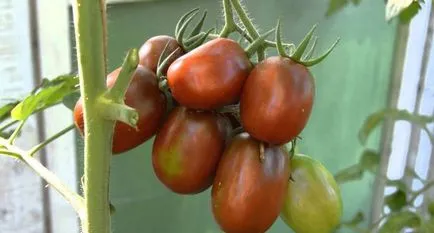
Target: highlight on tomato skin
{"points": [[277, 100], [249, 188], [151, 50], [144, 95], [187, 149], [210, 76]]}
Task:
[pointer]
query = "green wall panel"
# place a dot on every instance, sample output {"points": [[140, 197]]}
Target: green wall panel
{"points": [[351, 83]]}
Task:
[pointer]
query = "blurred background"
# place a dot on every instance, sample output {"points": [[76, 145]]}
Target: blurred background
{"points": [[377, 65]]}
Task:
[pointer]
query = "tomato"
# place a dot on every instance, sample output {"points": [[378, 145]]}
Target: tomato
{"points": [[151, 50], [187, 149], [277, 100], [142, 94], [210, 76], [248, 190], [313, 202]]}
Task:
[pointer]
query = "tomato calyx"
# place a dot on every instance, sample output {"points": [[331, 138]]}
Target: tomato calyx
{"points": [[196, 36], [258, 44], [299, 55]]}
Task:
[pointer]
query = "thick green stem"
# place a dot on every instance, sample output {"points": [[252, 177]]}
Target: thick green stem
{"points": [[89, 21], [49, 140]]}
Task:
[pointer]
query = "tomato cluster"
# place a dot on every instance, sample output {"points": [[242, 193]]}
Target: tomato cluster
{"points": [[228, 120]]}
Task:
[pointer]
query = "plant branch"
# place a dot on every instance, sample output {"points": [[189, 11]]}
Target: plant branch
{"points": [[420, 191], [9, 153], [72, 197], [230, 25], [49, 140], [251, 30], [118, 112], [129, 66], [7, 125], [14, 135]]}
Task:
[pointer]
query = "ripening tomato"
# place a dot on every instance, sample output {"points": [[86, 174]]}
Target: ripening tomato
{"points": [[313, 202], [142, 94], [151, 50], [277, 100], [249, 189], [210, 76], [187, 149]]}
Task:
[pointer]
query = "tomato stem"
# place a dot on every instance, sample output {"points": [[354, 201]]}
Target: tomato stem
{"points": [[229, 26], [129, 66], [72, 197], [251, 30], [111, 110], [90, 30], [256, 45], [7, 125], [16, 132], [51, 139]]}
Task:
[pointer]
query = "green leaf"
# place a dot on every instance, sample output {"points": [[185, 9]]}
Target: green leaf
{"points": [[396, 222], [395, 7], [399, 184], [396, 201], [407, 14], [376, 118], [70, 100], [50, 93], [356, 220], [352, 173], [431, 208], [335, 6], [6, 109], [370, 160]]}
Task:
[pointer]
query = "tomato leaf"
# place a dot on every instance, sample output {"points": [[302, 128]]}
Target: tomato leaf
{"points": [[352, 173], [397, 222], [335, 6], [396, 7], [370, 160], [356, 220], [49, 93], [376, 118], [399, 184], [396, 201], [6, 109], [431, 208], [70, 100], [407, 14]]}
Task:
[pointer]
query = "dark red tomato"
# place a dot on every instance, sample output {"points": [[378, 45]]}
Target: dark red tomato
{"points": [[187, 149], [151, 50], [277, 100], [210, 76], [248, 191], [144, 95]]}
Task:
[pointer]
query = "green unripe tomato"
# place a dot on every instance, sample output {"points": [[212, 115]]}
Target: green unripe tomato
{"points": [[313, 202]]}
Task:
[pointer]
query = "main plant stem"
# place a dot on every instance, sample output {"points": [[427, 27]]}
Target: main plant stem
{"points": [[89, 19]]}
